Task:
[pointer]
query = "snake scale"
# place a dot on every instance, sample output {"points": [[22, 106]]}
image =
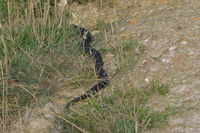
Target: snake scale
{"points": [[98, 63]]}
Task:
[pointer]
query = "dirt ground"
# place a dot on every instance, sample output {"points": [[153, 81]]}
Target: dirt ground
{"points": [[170, 31]]}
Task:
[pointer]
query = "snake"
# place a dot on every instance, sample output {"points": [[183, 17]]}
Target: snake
{"points": [[95, 55]]}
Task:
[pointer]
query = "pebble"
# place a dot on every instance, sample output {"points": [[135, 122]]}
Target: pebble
{"points": [[191, 53], [123, 28], [172, 48], [146, 40], [184, 42], [165, 60], [147, 80], [144, 62]]}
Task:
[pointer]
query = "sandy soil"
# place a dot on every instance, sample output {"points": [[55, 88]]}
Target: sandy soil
{"points": [[170, 31]]}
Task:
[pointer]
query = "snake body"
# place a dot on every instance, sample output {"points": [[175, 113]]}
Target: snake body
{"points": [[98, 62]]}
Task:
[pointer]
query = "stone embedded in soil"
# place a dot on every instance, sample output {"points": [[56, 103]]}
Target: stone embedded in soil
{"points": [[172, 48]]}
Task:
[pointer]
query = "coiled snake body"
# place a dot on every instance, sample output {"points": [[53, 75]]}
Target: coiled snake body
{"points": [[98, 62]]}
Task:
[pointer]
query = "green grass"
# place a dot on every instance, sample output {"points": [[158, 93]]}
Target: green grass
{"points": [[34, 56], [161, 88], [39, 54], [121, 111], [102, 26]]}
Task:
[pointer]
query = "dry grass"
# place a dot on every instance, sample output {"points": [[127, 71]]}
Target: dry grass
{"points": [[39, 53], [35, 54]]}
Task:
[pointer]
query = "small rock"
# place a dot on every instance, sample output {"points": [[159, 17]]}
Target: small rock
{"points": [[172, 48], [146, 40], [184, 81], [123, 28], [165, 60], [191, 53], [172, 53], [147, 80], [144, 62], [184, 42]]}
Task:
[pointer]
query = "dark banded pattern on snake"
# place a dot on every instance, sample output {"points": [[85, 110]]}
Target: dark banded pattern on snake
{"points": [[98, 62]]}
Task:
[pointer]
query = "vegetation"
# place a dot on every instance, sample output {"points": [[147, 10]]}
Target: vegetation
{"points": [[40, 54], [120, 111]]}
